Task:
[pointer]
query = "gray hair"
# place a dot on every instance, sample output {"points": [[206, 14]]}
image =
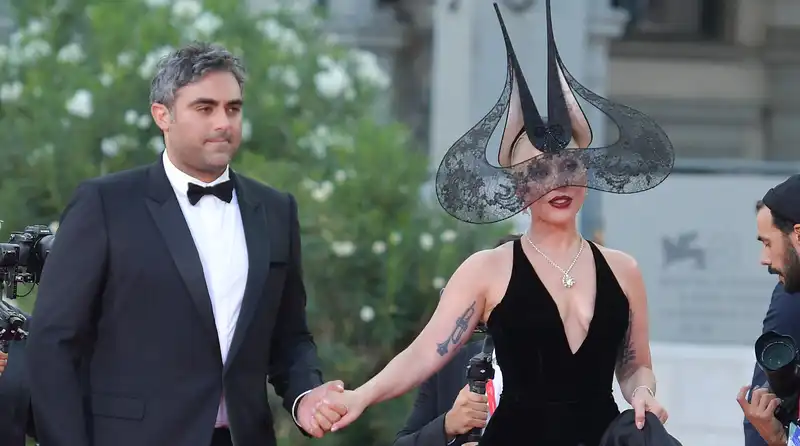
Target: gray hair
{"points": [[188, 65]]}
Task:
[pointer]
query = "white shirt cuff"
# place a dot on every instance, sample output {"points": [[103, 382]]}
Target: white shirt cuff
{"points": [[294, 407], [452, 441]]}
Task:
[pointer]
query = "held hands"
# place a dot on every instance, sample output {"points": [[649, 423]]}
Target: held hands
{"points": [[317, 412], [470, 410], [642, 402], [760, 411]]}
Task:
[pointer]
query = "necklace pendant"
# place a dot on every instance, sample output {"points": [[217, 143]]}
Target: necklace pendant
{"points": [[567, 281]]}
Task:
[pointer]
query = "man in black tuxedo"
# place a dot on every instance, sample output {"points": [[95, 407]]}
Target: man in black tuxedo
{"points": [[445, 410], [180, 285], [16, 418]]}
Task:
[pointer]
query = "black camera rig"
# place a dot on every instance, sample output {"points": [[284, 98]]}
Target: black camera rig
{"points": [[21, 262]]}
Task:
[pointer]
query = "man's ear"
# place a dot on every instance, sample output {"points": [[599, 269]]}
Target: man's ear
{"points": [[161, 116], [796, 236]]}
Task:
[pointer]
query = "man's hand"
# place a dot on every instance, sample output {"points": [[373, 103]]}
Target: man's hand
{"points": [[3, 361], [316, 412], [470, 410], [760, 411]]}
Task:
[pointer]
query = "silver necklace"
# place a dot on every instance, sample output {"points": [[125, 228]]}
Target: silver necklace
{"points": [[567, 280]]}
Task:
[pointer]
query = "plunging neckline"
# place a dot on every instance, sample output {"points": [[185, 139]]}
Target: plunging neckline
{"points": [[553, 305]]}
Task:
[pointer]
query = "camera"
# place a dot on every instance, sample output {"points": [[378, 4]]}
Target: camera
{"points": [[22, 258], [778, 356], [21, 262]]}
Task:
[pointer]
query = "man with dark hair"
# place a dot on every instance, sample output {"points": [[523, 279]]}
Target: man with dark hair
{"points": [[445, 410], [778, 222], [188, 296]]}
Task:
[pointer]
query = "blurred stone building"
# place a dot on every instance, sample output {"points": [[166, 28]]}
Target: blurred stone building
{"points": [[720, 75]]}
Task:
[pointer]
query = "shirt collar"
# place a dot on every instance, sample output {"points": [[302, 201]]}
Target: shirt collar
{"points": [[180, 180]]}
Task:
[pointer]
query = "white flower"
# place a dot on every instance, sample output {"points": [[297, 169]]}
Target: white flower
{"points": [[333, 81], [343, 249], [71, 54], [426, 241], [131, 117], [439, 283], [157, 144], [322, 191], [308, 184], [156, 3], [367, 314], [109, 147], [112, 146], [292, 100], [395, 238], [106, 79], [144, 122], [35, 27], [448, 236], [322, 138], [54, 226], [10, 92], [35, 50], [247, 130], [340, 176], [125, 59], [379, 247], [148, 67], [187, 9], [369, 70], [285, 38], [290, 77], [80, 104], [207, 24]]}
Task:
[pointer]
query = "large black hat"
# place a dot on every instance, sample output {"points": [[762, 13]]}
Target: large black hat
{"points": [[473, 190]]}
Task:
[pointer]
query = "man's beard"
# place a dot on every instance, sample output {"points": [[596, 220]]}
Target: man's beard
{"points": [[791, 270]]}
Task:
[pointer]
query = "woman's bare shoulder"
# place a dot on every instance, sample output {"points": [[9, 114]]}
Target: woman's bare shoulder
{"points": [[621, 263]]}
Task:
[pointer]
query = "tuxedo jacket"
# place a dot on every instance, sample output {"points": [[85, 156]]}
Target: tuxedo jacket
{"points": [[16, 418], [425, 425], [123, 289], [623, 432]]}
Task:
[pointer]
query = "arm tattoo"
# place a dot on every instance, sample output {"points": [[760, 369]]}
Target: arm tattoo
{"points": [[627, 353], [462, 324]]}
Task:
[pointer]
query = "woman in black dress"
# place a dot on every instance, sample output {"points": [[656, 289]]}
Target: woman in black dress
{"points": [[565, 314]]}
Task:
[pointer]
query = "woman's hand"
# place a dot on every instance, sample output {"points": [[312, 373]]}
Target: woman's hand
{"points": [[643, 401], [355, 402], [3, 361]]}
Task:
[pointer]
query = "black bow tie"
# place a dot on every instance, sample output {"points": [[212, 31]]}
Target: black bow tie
{"points": [[223, 191]]}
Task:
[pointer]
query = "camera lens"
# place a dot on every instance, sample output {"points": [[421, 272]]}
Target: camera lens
{"points": [[776, 355]]}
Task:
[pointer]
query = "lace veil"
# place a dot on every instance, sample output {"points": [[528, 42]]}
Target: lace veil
{"points": [[472, 190]]}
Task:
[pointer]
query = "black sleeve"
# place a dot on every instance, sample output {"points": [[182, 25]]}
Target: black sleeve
{"points": [[64, 319], [294, 364], [425, 425]]}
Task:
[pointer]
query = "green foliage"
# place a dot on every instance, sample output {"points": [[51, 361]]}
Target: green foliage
{"points": [[375, 252]]}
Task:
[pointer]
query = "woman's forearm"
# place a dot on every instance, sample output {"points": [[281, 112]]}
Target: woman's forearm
{"points": [[402, 374], [642, 377]]}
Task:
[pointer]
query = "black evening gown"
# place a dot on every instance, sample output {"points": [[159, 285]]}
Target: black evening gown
{"points": [[552, 397]]}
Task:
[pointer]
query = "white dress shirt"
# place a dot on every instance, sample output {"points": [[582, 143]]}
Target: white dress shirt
{"points": [[218, 234]]}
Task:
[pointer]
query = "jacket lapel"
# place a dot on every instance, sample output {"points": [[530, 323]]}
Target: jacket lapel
{"points": [[256, 233], [168, 216]]}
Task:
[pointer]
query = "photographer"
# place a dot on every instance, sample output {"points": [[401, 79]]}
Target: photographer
{"points": [[779, 231], [16, 417]]}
